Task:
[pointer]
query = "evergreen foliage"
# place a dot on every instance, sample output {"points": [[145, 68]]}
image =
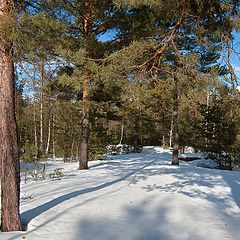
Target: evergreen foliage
{"points": [[130, 74]]}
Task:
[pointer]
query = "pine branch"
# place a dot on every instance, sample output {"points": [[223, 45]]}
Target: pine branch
{"points": [[168, 39]]}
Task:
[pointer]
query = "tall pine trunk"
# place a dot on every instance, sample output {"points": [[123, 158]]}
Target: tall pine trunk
{"points": [[9, 158], [85, 124], [85, 128], [175, 132]]}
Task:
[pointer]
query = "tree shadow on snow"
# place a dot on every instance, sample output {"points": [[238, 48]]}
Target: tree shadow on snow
{"points": [[142, 222], [200, 183], [33, 213], [185, 180]]}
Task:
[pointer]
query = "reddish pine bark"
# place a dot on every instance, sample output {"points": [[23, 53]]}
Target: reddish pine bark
{"points": [[9, 159], [85, 124]]}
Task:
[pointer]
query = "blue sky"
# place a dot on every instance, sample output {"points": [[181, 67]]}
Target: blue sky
{"points": [[236, 57]]}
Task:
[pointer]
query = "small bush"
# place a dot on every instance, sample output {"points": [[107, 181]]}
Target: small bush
{"points": [[57, 174]]}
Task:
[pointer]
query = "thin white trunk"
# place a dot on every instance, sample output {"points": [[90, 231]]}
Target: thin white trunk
{"points": [[35, 132], [53, 139], [49, 135], [171, 133], [72, 149], [122, 132]]}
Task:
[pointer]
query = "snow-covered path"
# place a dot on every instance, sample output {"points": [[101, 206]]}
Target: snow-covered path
{"points": [[133, 197]]}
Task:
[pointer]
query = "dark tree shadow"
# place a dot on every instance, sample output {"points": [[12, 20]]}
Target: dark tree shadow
{"points": [[140, 224], [33, 213], [233, 181]]}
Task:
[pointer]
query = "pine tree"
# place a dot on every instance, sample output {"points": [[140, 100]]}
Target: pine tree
{"points": [[84, 22], [182, 28], [10, 179]]}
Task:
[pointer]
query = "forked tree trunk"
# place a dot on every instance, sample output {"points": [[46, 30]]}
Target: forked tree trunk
{"points": [[9, 158], [175, 159]]}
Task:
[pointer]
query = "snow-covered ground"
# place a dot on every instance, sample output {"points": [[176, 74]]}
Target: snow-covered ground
{"points": [[132, 197]]}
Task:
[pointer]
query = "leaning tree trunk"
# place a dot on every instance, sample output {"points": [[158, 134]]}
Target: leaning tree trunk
{"points": [[9, 158], [175, 159]]}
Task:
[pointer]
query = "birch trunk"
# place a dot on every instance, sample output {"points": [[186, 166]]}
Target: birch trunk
{"points": [[49, 135], [53, 139]]}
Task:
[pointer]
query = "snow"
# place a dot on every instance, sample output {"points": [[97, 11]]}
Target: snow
{"points": [[132, 197]]}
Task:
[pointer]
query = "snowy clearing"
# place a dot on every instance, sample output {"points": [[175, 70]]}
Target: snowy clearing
{"points": [[132, 197]]}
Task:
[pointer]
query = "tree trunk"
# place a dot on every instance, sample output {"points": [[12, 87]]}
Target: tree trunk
{"points": [[122, 132], [48, 144], [53, 138], [136, 134], [171, 134], [41, 108], [85, 124], [163, 132], [163, 141], [72, 150], [206, 123], [175, 160], [25, 171], [36, 145], [49, 135], [85, 130], [9, 158]]}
